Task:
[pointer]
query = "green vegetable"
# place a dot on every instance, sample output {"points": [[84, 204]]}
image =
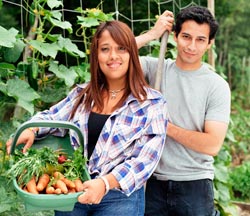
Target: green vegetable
{"points": [[36, 162], [75, 167]]}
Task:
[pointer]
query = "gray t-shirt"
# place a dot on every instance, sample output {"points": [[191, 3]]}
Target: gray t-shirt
{"points": [[193, 97]]}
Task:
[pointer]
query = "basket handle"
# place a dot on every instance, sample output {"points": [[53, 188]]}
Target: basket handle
{"points": [[46, 123]]}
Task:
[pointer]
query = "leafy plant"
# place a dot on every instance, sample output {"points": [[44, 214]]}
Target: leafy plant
{"points": [[29, 82], [240, 179], [32, 163]]}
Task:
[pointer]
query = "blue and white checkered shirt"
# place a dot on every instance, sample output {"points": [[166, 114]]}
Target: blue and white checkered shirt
{"points": [[130, 143]]}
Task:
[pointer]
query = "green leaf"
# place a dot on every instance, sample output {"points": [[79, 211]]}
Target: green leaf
{"points": [[224, 192], [221, 173], [68, 75], [45, 48], [13, 54], [23, 93], [50, 95], [6, 69], [3, 87], [54, 3], [55, 17], [67, 46], [62, 24], [87, 22], [7, 37]]}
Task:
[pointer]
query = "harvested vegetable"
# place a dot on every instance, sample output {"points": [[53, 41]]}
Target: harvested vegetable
{"points": [[31, 186], [43, 182], [62, 158], [50, 190], [79, 185], [61, 185], [69, 183], [42, 168]]}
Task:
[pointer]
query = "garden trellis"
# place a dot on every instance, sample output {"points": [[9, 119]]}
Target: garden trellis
{"points": [[127, 13], [49, 44]]}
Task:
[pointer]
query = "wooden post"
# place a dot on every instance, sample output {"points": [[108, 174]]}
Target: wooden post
{"points": [[211, 61]]}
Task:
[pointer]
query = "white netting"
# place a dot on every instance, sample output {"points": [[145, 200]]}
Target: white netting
{"points": [[128, 11], [127, 14]]}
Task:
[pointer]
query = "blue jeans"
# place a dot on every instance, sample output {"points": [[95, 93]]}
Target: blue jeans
{"points": [[180, 198], [114, 203]]}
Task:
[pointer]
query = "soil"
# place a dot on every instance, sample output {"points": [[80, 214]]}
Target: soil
{"points": [[244, 208]]}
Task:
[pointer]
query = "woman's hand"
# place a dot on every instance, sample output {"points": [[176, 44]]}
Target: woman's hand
{"points": [[27, 137], [94, 191]]}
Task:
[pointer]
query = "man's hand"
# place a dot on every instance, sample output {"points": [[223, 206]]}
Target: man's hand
{"points": [[163, 23]]}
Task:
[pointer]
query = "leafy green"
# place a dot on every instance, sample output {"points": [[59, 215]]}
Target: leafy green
{"points": [[75, 168], [32, 163], [35, 162]]}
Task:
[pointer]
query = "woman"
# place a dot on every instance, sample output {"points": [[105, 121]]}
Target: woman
{"points": [[123, 122]]}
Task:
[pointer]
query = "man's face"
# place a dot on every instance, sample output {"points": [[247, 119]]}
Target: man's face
{"points": [[192, 43]]}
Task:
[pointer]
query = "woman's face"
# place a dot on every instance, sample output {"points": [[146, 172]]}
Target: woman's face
{"points": [[113, 58]]}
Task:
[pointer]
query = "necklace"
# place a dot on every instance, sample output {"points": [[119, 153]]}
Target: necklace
{"points": [[114, 93]]}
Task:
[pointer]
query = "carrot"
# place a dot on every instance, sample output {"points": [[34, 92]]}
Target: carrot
{"points": [[31, 186], [58, 191], [43, 181], [60, 184], [50, 190], [69, 183], [79, 185], [25, 189], [72, 190], [58, 175]]}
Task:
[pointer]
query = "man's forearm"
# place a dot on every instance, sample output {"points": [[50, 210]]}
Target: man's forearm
{"points": [[163, 23], [145, 38], [203, 142]]}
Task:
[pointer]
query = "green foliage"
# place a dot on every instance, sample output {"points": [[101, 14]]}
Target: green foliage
{"points": [[238, 137], [29, 80], [240, 178]]}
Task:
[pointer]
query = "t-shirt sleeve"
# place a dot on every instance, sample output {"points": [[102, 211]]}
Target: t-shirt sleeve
{"points": [[219, 105]]}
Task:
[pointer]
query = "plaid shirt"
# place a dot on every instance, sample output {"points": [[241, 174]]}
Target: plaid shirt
{"points": [[130, 143]]}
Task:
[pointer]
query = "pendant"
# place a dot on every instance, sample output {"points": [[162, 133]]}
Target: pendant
{"points": [[113, 95]]}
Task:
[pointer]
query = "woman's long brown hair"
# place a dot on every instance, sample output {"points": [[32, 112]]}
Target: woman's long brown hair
{"points": [[136, 82]]}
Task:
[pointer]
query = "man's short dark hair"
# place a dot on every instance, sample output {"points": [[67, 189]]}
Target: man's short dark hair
{"points": [[198, 14]]}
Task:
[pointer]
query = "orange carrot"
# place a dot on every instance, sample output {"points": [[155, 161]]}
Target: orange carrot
{"points": [[50, 190], [25, 189], [69, 183], [79, 185], [58, 175], [58, 191], [60, 184], [31, 186], [72, 190], [43, 182]]}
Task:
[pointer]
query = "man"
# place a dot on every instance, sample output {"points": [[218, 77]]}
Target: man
{"points": [[199, 109]]}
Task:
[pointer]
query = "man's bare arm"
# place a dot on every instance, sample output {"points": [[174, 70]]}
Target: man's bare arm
{"points": [[163, 23], [207, 142]]}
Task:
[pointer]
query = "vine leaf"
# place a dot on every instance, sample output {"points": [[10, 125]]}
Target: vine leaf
{"points": [[23, 93]]}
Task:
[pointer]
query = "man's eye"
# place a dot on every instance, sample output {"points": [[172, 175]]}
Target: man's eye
{"points": [[201, 40], [185, 36]]}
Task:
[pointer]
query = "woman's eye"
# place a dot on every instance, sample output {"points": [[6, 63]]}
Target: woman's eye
{"points": [[103, 49], [123, 49]]}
